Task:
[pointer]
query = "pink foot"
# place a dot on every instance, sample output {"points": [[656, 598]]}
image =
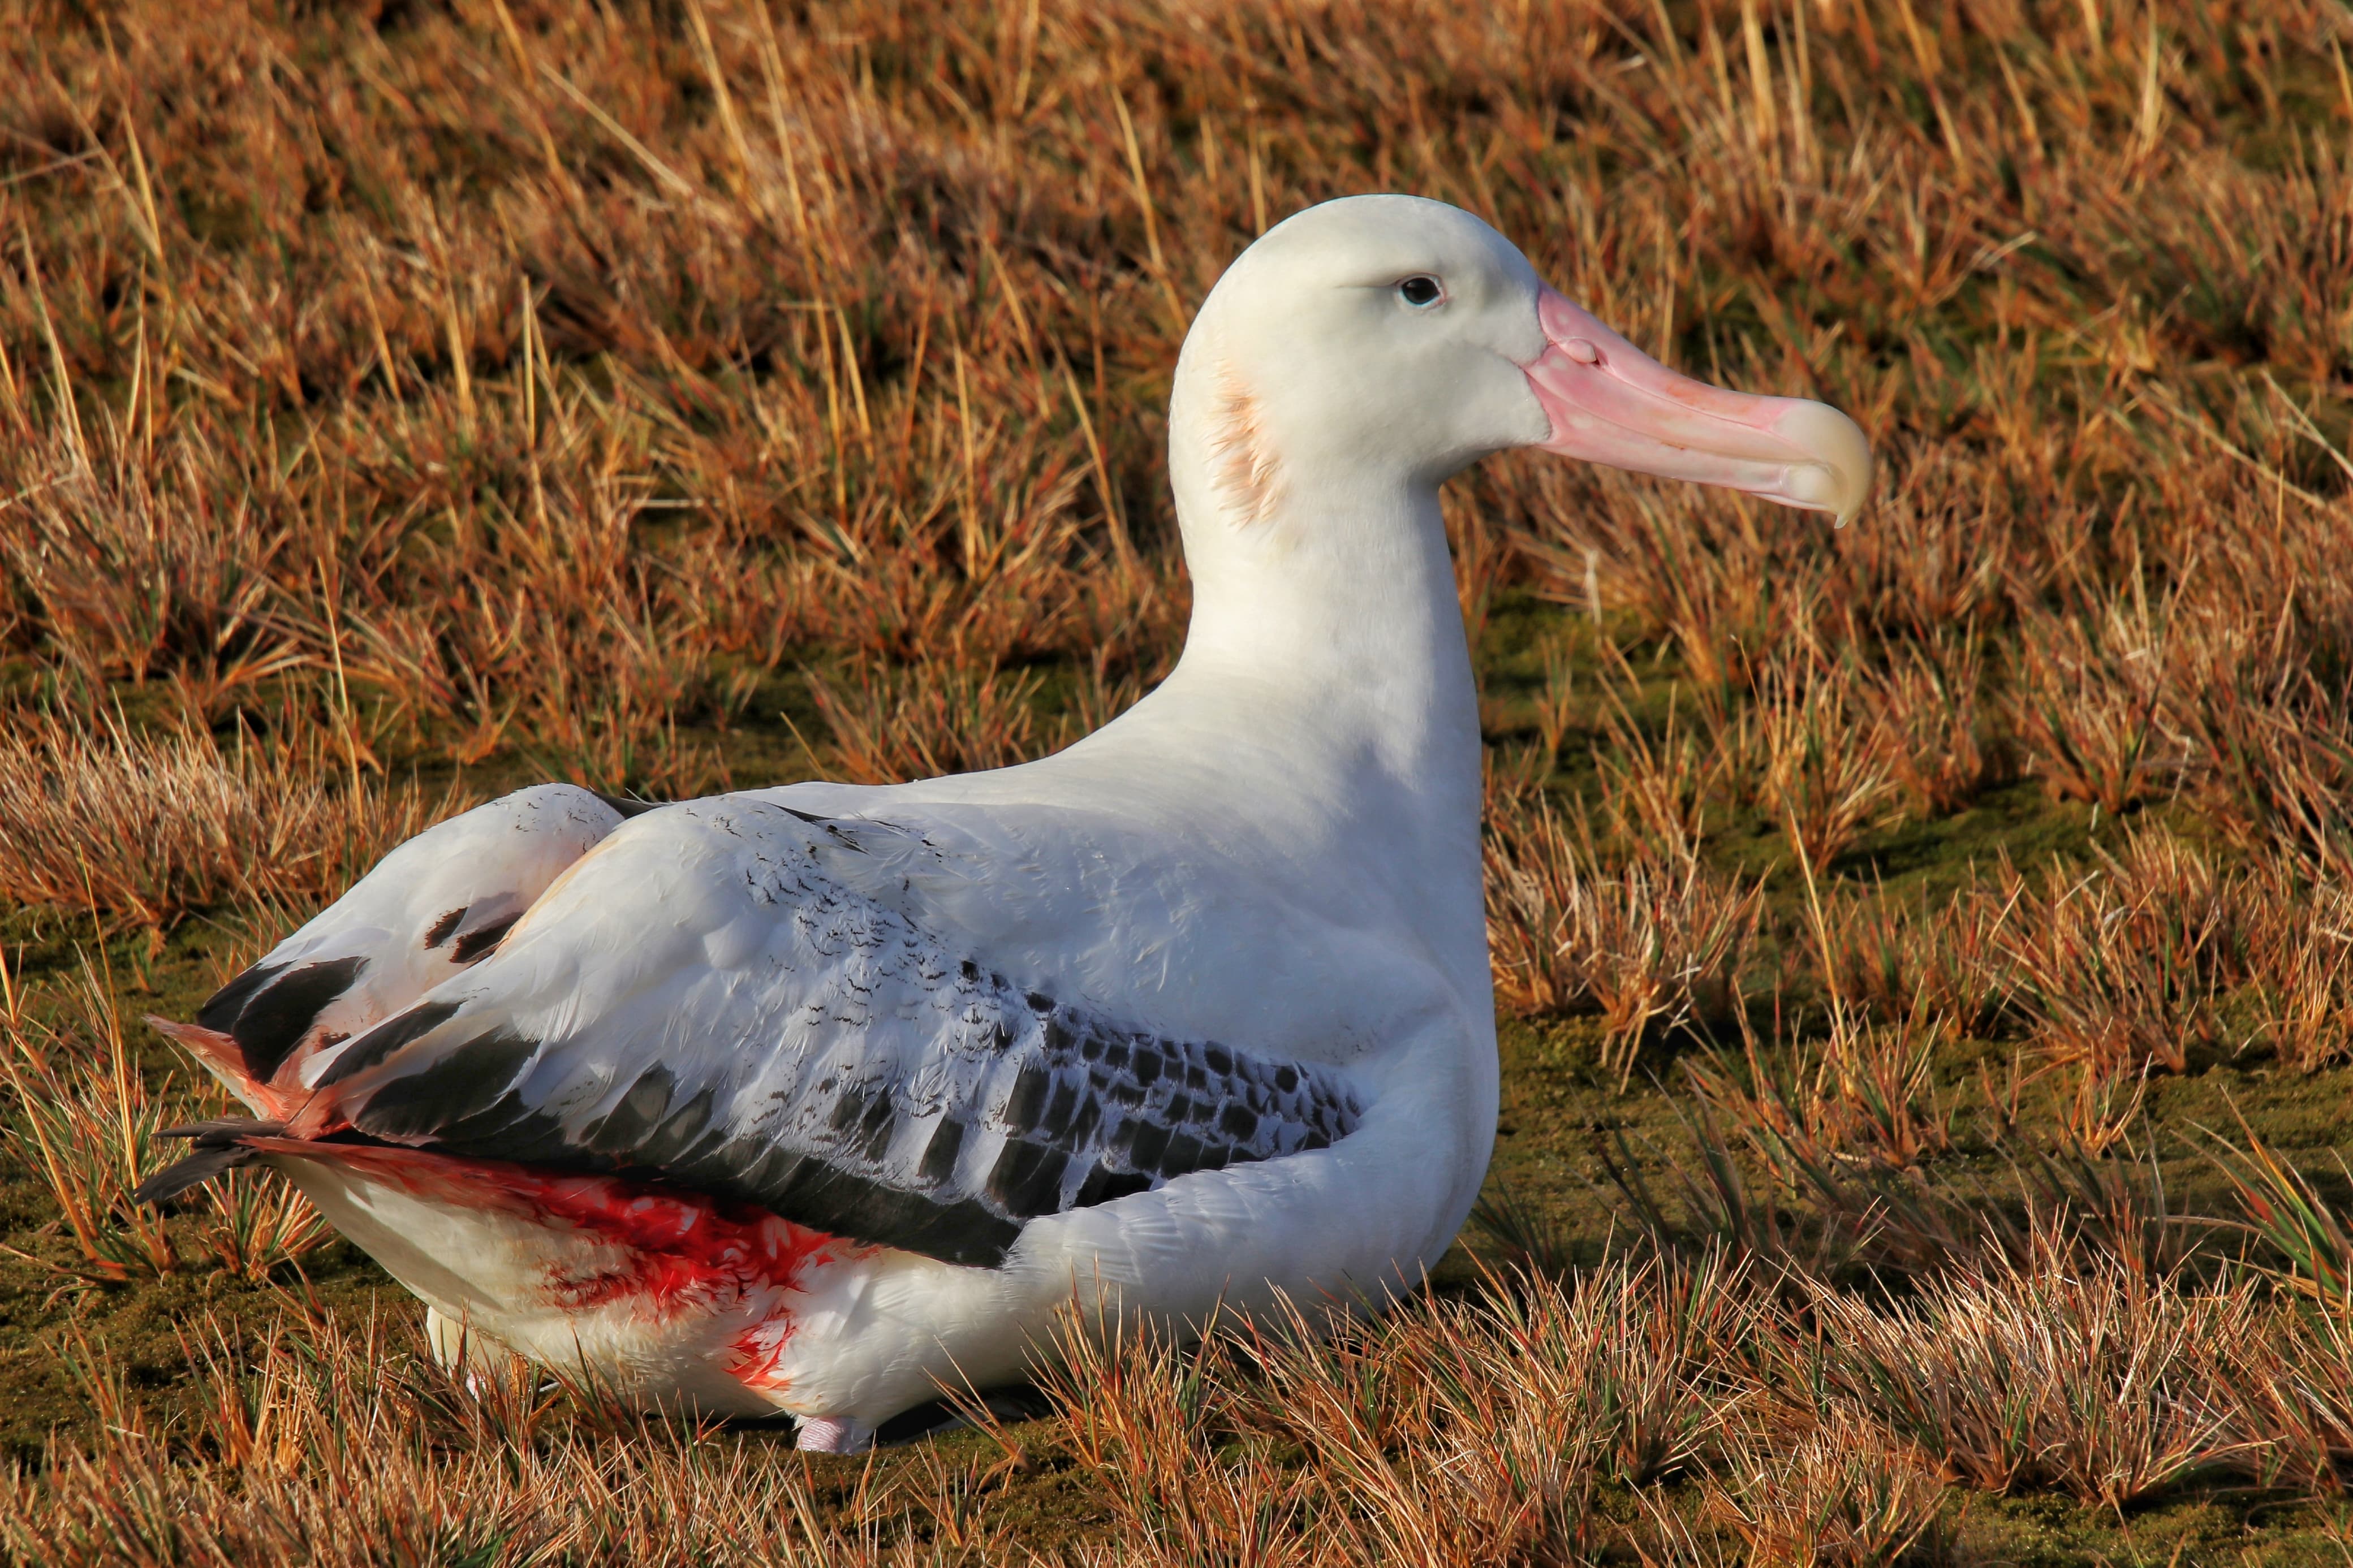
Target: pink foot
{"points": [[834, 1435]]}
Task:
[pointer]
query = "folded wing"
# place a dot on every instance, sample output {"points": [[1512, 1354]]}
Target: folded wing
{"points": [[705, 999]]}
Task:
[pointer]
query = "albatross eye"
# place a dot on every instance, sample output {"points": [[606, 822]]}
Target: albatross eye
{"points": [[1420, 292]]}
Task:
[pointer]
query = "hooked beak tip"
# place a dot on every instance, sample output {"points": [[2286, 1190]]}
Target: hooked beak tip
{"points": [[1838, 478]]}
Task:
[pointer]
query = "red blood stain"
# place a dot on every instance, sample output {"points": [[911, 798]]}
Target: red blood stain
{"points": [[661, 1250], [753, 1356]]}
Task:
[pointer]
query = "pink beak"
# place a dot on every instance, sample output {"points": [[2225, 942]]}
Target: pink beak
{"points": [[1610, 403]]}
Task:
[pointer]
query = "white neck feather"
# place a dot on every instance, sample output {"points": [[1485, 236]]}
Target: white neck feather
{"points": [[1339, 608]]}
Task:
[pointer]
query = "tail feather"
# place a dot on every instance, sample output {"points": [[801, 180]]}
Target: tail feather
{"points": [[219, 1146]]}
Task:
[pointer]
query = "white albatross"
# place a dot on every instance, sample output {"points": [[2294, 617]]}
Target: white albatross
{"points": [[817, 1099]]}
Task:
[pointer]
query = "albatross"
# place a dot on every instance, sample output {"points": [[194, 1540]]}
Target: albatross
{"points": [[820, 1098]]}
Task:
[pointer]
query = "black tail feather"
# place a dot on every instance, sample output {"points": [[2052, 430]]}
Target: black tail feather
{"points": [[219, 1146]]}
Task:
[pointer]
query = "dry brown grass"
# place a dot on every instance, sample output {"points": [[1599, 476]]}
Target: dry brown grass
{"points": [[2125, 967], [1827, 772], [1865, 1093], [2088, 699], [148, 826], [1652, 944], [1840, 1496], [928, 721], [87, 1123], [86, 1120], [2046, 1370], [328, 1445], [1925, 707], [1818, 1426], [1890, 959]]}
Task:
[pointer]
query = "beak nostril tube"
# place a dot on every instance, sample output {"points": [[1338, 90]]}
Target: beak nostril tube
{"points": [[1582, 350]]}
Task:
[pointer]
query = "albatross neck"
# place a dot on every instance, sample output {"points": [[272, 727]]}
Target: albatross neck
{"points": [[1327, 655]]}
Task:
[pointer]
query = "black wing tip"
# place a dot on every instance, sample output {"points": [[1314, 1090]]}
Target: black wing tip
{"points": [[219, 1146], [268, 1009], [629, 805], [383, 1038], [220, 1010]]}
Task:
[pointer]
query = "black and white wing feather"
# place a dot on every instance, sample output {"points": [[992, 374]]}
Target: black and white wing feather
{"points": [[437, 904], [704, 1000]]}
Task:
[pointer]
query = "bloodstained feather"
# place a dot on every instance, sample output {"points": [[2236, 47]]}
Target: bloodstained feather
{"points": [[676, 1251]]}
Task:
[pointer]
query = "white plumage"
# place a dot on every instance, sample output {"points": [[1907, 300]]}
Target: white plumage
{"points": [[816, 1098]]}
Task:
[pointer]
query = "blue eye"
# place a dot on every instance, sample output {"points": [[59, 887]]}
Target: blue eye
{"points": [[1420, 292]]}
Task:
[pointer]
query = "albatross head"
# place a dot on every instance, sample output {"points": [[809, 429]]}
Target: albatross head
{"points": [[1398, 340]]}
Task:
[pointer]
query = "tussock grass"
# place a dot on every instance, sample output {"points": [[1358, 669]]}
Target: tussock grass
{"points": [[88, 1126], [1865, 1093], [1649, 947], [2046, 1370], [338, 1445], [399, 402], [1826, 775], [1840, 1495], [87, 1123], [147, 826]]}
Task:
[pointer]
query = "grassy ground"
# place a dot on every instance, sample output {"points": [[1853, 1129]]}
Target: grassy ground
{"points": [[1926, 948]]}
